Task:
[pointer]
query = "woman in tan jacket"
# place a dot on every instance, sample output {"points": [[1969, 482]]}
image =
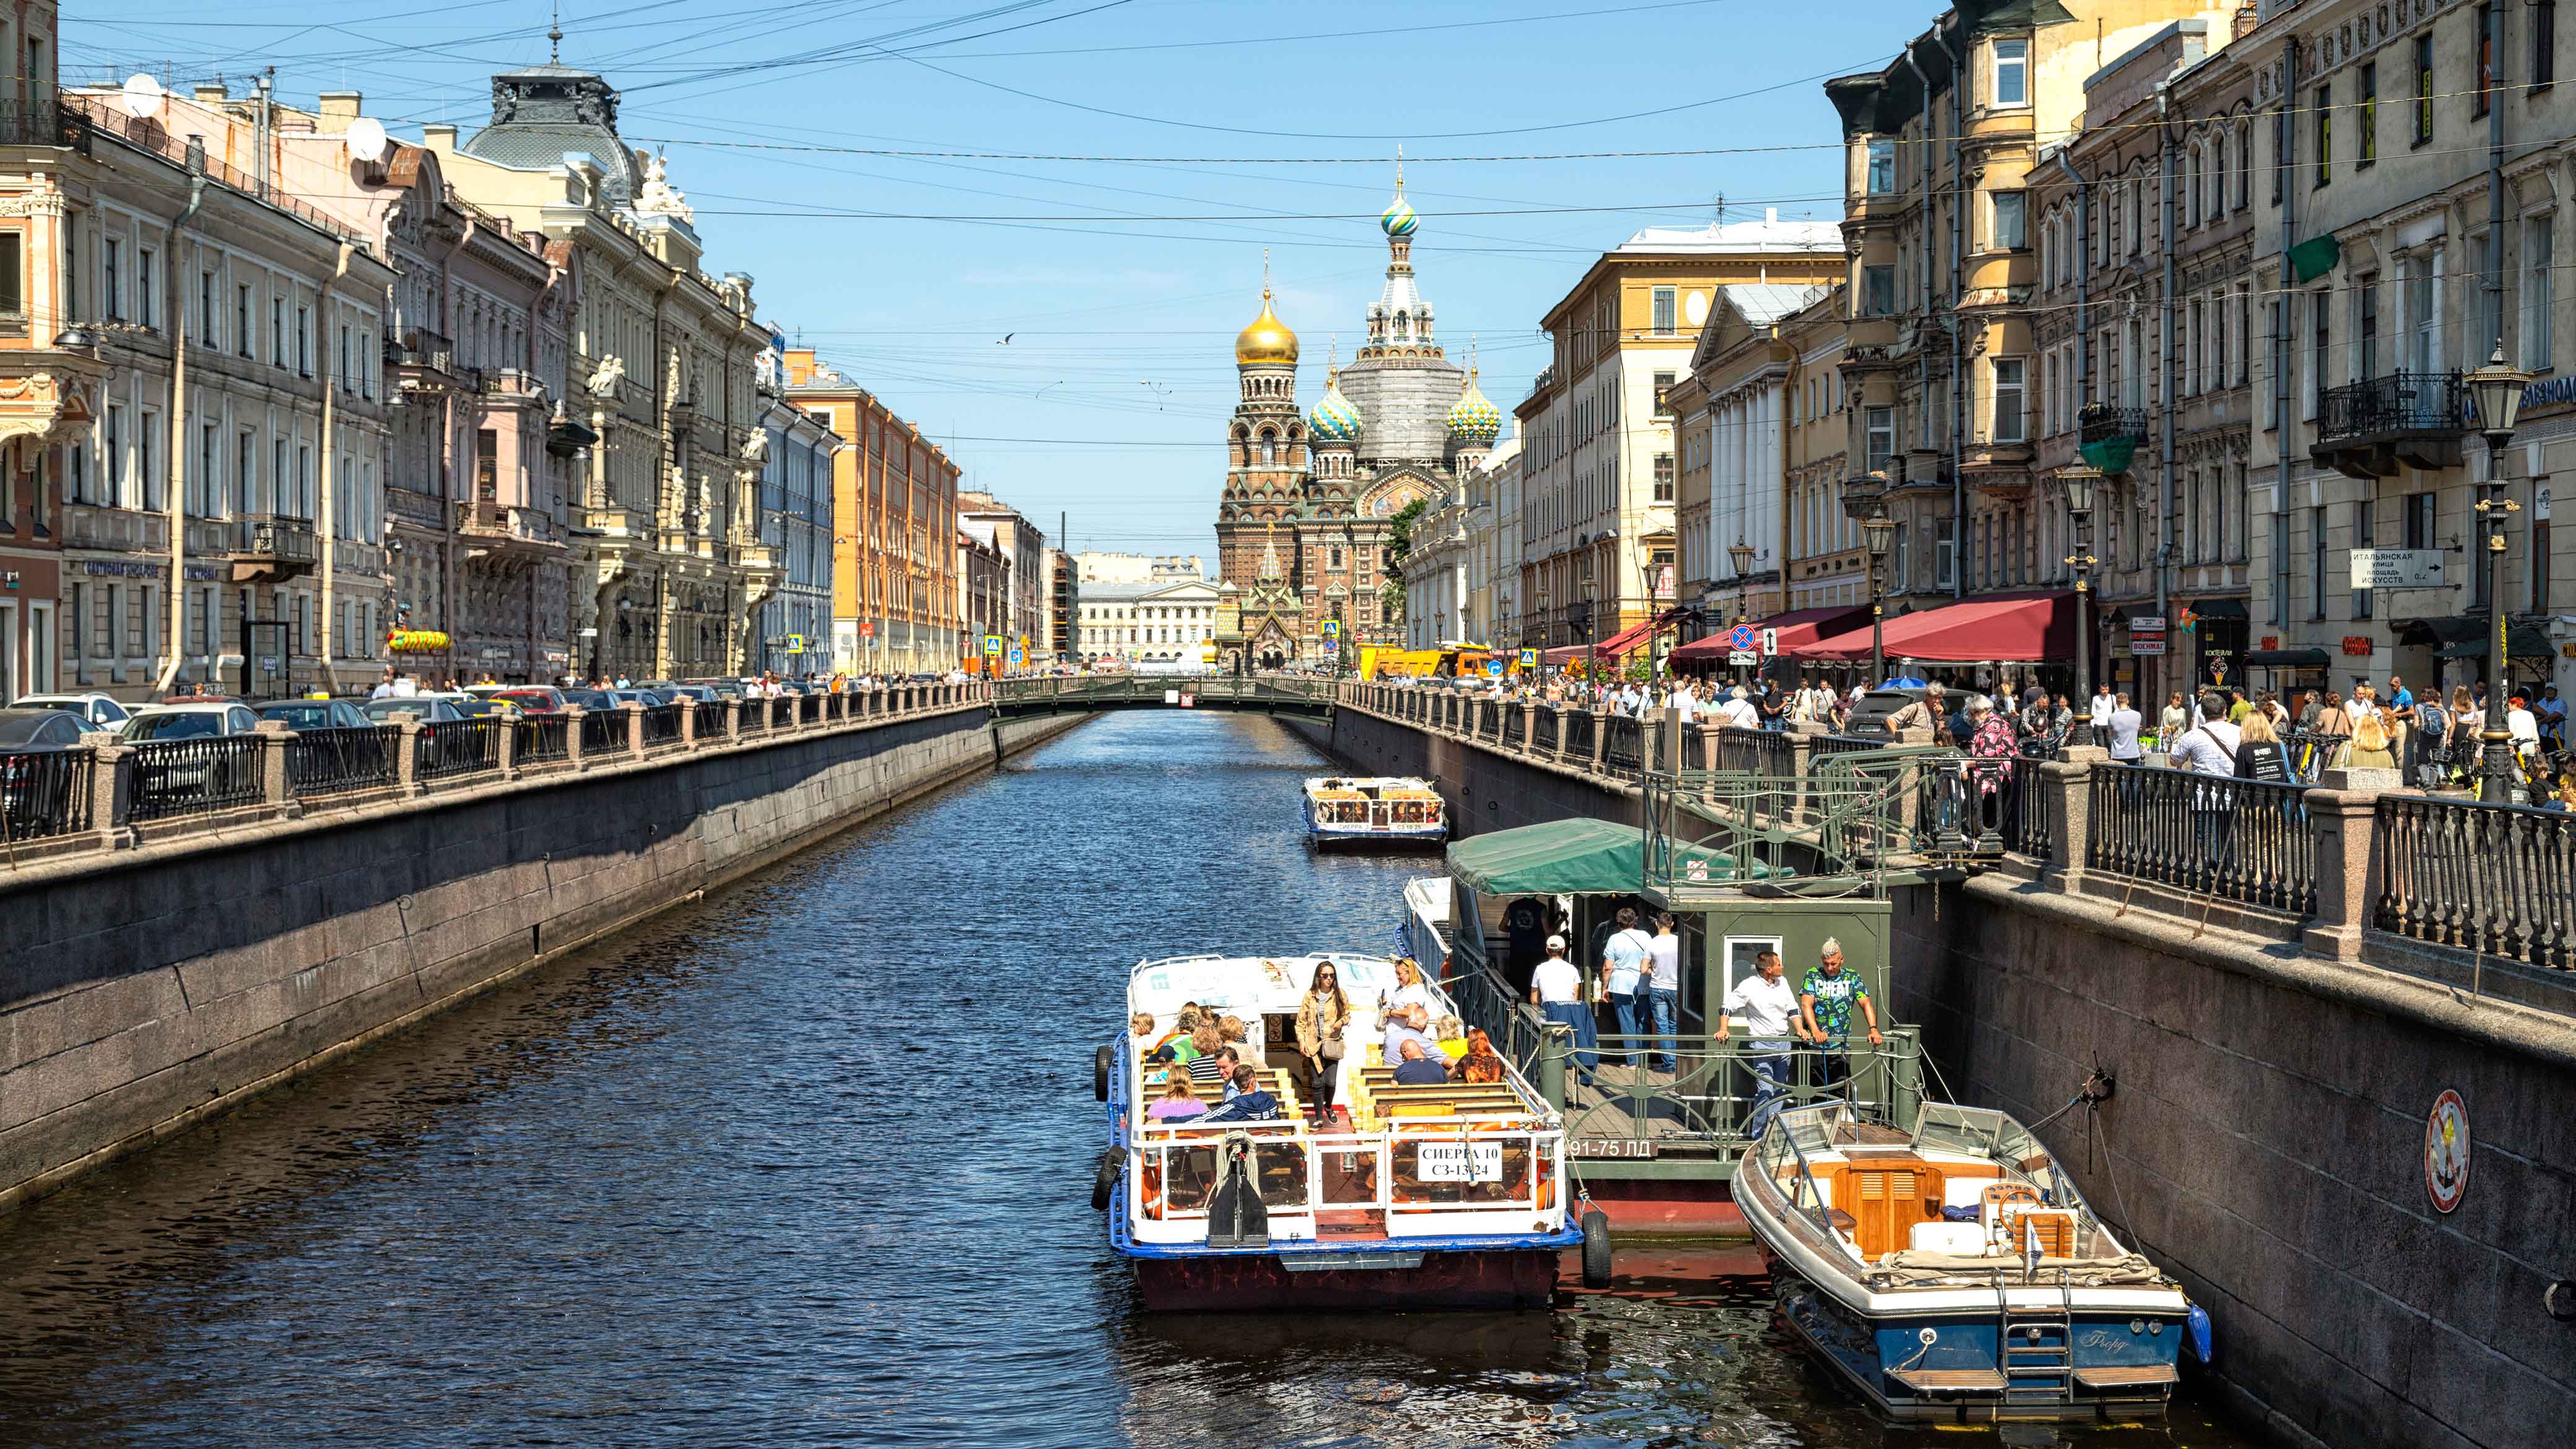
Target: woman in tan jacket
{"points": [[1320, 1020]]}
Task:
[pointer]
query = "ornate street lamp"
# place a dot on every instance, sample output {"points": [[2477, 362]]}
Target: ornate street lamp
{"points": [[2078, 480], [2497, 389], [1741, 555], [1865, 503]]}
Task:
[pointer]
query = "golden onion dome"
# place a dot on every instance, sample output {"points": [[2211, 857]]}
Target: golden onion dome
{"points": [[1267, 339]]}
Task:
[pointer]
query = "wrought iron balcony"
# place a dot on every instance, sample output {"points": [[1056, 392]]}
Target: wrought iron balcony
{"points": [[422, 361], [43, 123], [268, 550], [2100, 424], [2375, 427]]}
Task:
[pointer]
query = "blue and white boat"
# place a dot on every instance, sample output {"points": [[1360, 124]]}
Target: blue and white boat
{"points": [[1448, 1195], [1384, 810], [1952, 1272]]}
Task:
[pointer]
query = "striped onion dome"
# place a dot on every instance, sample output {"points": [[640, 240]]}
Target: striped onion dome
{"points": [[1473, 419], [1334, 418], [1398, 219]]}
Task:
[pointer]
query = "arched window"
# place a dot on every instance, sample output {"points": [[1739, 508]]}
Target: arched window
{"points": [[1269, 448]]}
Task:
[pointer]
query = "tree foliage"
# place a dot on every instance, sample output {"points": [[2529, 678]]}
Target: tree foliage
{"points": [[1399, 537]]}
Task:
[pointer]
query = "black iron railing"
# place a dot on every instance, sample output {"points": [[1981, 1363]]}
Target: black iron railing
{"points": [[661, 725], [2394, 403], [1544, 729], [2495, 879], [1851, 744], [1515, 726], [1582, 727], [754, 717], [352, 758], [190, 777], [1760, 752], [603, 732], [282, 540], [2244, 840], [1622, 747], [2102, 424], [711, 719], [45, 792], [450, 748], [539, 738]]}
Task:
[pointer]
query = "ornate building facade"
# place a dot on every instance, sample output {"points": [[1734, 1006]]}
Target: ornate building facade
{"points": [[1309, 499]]}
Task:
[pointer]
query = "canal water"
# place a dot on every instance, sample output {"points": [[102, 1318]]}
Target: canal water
{"points": [[809, 1164]]}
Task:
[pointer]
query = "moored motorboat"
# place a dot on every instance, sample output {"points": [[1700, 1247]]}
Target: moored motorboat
{"points": [[1357, 810], [1953, 1272], [1439, 1195]]}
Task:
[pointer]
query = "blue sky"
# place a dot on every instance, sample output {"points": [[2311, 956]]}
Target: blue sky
{"points": [[1121, 282]]}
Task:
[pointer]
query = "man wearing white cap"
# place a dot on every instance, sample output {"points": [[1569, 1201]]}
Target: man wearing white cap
{"points": [[1738, 712], [1556, 988]]}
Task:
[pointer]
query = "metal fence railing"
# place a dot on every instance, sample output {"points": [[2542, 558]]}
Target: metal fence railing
{"points": [[1759, 752], [1582, 732], [45, 792], [1623, 747], [2499, 880], [189, 777], [538, 739], [710, 719], [661, 725], [353, 758], [754, 717], [603, 733], [451, 748], [2243, 840], [1544, 730]]}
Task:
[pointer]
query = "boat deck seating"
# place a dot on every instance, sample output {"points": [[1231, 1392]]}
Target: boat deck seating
{"points": [[1890, 1207], [1376, 1099]]}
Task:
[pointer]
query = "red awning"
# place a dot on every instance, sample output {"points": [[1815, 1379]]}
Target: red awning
{"points": [[1614, 646], [2002, 629], [1798, 626]]}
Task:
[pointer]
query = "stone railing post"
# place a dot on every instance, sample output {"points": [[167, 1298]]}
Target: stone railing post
{"points": [[1529, 726], [2342, 819], [1600, 735], [768, 714], [573, 714], [274, 791], [407, 755], [634, 729], [505, 747], [733, 720], [111, 786], [2068, 781], [688, 709]]}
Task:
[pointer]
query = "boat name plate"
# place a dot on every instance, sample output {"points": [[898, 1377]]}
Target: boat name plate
{"points": [[1623, 1147]]}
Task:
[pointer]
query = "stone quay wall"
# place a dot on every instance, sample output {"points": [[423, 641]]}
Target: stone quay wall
{"points": [[145, 989], [2265, 1141]]}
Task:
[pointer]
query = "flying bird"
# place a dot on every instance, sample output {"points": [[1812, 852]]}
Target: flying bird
{"points": [[1006, 339]]}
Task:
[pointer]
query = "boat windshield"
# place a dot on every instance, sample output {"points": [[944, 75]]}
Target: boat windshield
{"points": [[1947, 1127]]}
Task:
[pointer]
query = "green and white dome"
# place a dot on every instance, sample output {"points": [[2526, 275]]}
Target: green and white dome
{"points": [[1334, 418], [1473, 419]]}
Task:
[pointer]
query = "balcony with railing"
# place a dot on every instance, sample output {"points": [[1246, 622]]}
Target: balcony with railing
{"points": [[2108, 437], [424, 362], [267, 549], [489, 521], [2373, 428], [42, 123]]}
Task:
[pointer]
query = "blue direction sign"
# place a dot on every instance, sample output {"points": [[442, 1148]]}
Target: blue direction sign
{"points": [[1017, 658], [1494, 668], [1332, 628]]}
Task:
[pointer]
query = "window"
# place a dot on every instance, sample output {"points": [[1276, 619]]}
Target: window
{"points": [[2418, 512], [2320, 345], [1882, 167], [2544, 43], [2482, 85], [1878, 289], [2366, 116], [143, 308], [277, 331], [341, 357], [2365, 326], [205, 491], [2011, 221], [2424, 315], [1663, 390], [1880, 425], [2317, 562], [2361, 538], [2281, 136], [112, 453], [71, 265], [304, 341], [2012, 72], [110, 279], [246, 473], [2325, 134], [2423, 88], [1663, 477], [1665, 319], [13, 284], [241, 319], [147, 474], [2536, 293], [2011, 425], [206, 310]]}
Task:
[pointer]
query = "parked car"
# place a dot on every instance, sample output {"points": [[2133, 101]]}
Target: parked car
{"points": [[157, 780], [532, 698], [471, 707], [101, 712], [39, 728], [316, 714], [190, 719], [703, 693], [35, 790], [485, 691], [431, 709], [720, 688], [590, 698]]}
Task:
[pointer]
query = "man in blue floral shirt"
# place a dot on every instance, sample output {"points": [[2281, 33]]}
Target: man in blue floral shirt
{"points": [[1826, 999]]}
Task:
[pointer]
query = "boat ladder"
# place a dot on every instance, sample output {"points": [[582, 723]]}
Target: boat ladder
{"points": [[2036, 1348]]}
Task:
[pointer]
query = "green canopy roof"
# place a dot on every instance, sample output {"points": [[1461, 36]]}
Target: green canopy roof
{"points": [[1575, 857]]}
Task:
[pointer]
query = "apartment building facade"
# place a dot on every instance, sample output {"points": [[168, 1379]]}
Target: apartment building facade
{"points": [[1763, 349], [1026, 589], [796, 467], [895, 597]]}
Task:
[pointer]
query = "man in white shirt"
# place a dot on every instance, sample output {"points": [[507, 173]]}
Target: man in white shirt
{"points": [[1663, 989], [1556, 989], [1737, 713], [1770, 1009], [2208, 749], [2103, 705], [1623, 977], [405, 687]]}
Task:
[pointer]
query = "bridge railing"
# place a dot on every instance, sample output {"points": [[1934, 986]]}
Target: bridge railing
{"points": [[107, 793]]}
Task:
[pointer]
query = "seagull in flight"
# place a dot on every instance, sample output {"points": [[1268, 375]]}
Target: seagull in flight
{"points": [[1006, 339]]}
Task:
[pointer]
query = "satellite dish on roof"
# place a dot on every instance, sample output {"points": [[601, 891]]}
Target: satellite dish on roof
{"points": [[142, 95], [367, 139]]}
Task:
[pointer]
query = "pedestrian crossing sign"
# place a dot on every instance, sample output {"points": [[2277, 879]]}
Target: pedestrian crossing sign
{"points": [[992, 646], [1332, 628], [1529, 659]]}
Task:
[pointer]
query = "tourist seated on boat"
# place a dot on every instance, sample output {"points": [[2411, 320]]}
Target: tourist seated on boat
{"points": [[1409, 990], [1176, 1045], [1452, 1036], [1250, 1102], [1140, 1028], [1179, 1102], [1229, 1029], [1204, 1071], [1414, 1069], [1412, 1024], [1481, 1063]]}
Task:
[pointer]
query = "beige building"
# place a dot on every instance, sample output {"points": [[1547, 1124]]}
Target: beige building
{"points": [[1027, 588], [672, 570], [1941, 151], [1599, 470], [2407, 176]]}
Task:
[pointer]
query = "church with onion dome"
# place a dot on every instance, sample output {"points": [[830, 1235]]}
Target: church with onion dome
{"points": [[1303, 523]]}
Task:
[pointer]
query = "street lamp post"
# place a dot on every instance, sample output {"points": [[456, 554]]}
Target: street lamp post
{"points": [[2078, 481], [1740, 554], [2497, 389], [1865, 503]]}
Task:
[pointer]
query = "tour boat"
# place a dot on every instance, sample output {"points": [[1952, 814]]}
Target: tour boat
{"points": [[1953, 1272], [1374, 809], [1434, 1196]]}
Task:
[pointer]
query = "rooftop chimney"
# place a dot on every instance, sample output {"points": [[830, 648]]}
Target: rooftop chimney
{"points": [[339, 108], [210, 93]]}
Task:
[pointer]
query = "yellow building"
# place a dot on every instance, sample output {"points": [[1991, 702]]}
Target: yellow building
{"points": [[895, 588]]}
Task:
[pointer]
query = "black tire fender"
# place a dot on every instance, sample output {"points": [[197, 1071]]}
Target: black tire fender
{"points": [[1100, 1061], [1596, 1248], [1105, 1181]]}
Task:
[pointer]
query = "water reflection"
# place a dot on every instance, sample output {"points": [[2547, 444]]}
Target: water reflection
{"points": [[807, 1164]]}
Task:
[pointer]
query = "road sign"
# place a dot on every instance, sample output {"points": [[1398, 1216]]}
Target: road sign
{"points": [[2397, 568], [1332, 629], [1529, 659], [1742, 638], [795, 643], [992, 646], [1494, 668], [1743, 659], [867, 628], [1770, 641], [1018, 657], [2147, 635]]}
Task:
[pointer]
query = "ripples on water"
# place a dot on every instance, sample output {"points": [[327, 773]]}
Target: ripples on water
{"points": [[809, 1164]]}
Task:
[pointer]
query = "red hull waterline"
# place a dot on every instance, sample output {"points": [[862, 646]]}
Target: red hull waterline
{"points": [[1520, 1278]]}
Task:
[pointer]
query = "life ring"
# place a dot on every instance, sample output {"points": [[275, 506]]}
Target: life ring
{"points": [[1546, 1182], [1153, 1198]]}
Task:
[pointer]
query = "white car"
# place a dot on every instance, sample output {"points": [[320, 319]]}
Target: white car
{"points": [[172, 782], [100, 711]]}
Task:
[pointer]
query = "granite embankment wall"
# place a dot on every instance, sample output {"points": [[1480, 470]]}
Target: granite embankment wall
{"points": [[144, 990], [2266, 1139]]}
